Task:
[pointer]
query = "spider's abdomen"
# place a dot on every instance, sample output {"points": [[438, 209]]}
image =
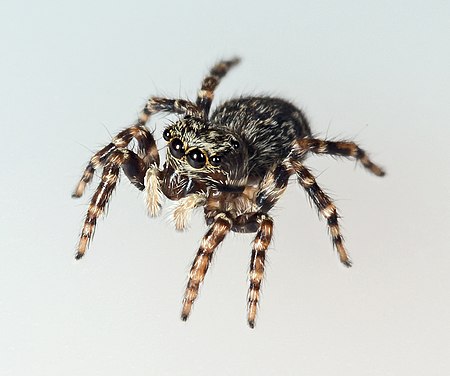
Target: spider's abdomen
{"points": [[268, 126]]}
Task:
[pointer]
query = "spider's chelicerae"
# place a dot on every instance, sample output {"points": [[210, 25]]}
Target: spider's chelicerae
{"points": [[235, 163]]}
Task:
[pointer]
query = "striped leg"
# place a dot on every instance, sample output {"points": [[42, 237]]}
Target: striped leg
{"points": [[210, 83], [325, 206], [266, 196], [272, 187], [216, 233], [260, 245], [173, 106], [146, 145], [340, 148], [133, 169]]}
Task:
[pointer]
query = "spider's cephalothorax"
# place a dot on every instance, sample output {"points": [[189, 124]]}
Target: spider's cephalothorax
{"points": [[202, 151], [235, 163]]}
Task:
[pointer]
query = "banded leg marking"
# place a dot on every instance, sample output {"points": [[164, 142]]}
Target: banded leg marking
{"points": [[175, 106], [146, 146], [206, 93], [260, 245], [100, 199], [97, 160], [341, 148], [272, 187], [216, 233], [325, 206]]}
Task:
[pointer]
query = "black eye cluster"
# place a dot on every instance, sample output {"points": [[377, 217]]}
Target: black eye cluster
{"points": [[195, 157]]}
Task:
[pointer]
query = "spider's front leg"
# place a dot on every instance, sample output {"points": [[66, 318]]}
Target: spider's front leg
{"points": [[134, 168], [220, 226], [256, 274], [269, 191], [147, 151]]}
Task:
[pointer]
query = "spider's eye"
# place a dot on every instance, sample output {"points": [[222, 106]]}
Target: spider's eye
{"points": [[215, 160], [196, 158], [235, 144], [166, 134], [176, 148]]}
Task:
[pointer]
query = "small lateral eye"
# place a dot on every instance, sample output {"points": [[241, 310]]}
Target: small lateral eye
{"points": [[166, 134], [215, 160], [235, 144], [196, 158], [176, 148]]}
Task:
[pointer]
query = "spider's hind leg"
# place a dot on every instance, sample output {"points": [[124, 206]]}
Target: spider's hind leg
{"points": [[209, 84], [325, 206], [340, 148]]}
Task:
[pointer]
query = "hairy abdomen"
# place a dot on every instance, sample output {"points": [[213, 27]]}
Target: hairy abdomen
{"points": [[268, 126]]}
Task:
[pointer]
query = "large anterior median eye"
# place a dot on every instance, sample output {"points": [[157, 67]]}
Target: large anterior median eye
{"points": [[196, 158], [176, 148]]}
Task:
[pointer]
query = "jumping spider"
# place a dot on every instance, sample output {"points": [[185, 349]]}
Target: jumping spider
{"points": [[235, 163]]}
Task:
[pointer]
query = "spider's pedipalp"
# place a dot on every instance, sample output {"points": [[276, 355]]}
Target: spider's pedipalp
{"points": [[340, 148], [153, 194], [256, 273], [216, 233], [209, 84], [325, 206], [184, 208]]}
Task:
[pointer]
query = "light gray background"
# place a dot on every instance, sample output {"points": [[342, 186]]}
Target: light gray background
{"points": [[72, 74]]}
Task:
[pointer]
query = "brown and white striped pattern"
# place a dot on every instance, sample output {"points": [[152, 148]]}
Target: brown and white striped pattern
{"points": [[325, 207], [206, 93], [216, 233], [272, 187], [260, 245], [340, 148], [174, 106], [100, 199], [97, 161], [147, 150]]}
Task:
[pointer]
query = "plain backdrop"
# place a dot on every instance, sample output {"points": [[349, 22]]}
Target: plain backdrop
{"points": [[72, 74]]}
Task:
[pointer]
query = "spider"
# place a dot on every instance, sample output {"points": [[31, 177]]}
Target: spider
{"points": [[235, 163]]}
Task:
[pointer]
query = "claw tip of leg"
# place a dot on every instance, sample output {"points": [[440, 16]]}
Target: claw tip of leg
{"points": [[347, 263]]}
